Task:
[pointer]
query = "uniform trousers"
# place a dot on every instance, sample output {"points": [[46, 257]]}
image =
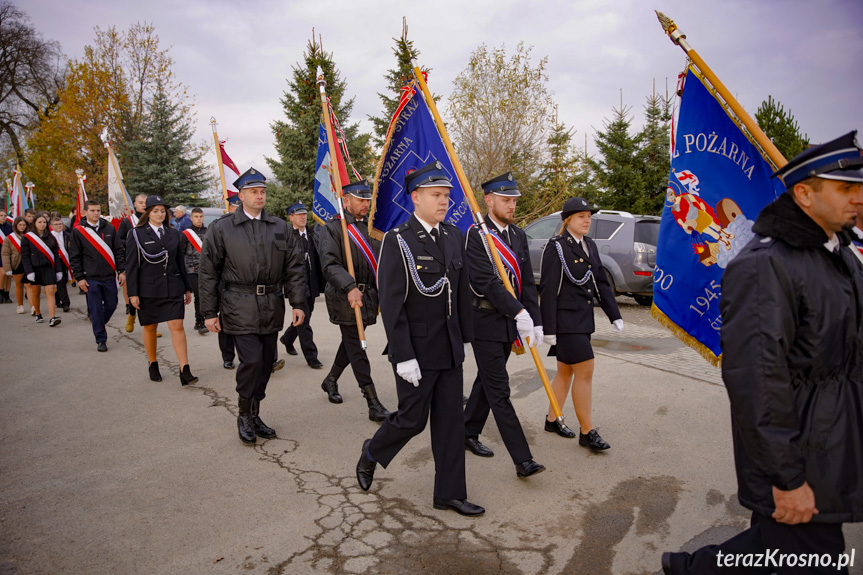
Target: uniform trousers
{"points": [[304, 332], [226, 346], [766, 534], [351, 352], [193, 283], [101, 303], [257, 352], [439, 394], [491, 392], [61, 296]]}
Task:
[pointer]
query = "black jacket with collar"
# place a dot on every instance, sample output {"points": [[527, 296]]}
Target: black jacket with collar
{"points": [[155, 280], [244, 252], [792, 363], [33, 258], [339, 281], [87, 263], [312, 263], [193, 257], [420, 326], [568, 307], [498, 324]]}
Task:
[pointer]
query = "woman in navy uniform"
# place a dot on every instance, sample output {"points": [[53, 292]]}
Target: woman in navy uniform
{"points": [[571, 275], [157, 284]]}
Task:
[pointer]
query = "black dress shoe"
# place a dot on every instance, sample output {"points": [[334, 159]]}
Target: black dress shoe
{"points": [[291, 349], [674, 563], [528, 468], [186, 376], [331, 386], [102, 346], [315, 364], [228, 365], [365, 468], [559, 428], [65, 308], [154, 372], [461, 506], [592, 441], [473, 444]]}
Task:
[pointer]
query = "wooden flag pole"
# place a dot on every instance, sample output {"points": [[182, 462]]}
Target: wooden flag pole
{"points": [[679, 38], [340, 196], [219, 162], [480, 221]]}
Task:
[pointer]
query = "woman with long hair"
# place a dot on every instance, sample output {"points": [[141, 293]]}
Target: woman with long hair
{"points": [[12, 264], [5, 230], [157, 284], [571, 275], [42, 266]]}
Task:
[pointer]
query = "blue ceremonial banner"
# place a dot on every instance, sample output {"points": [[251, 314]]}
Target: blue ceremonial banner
{"points": [[325, 205], [412, 142], [718, 184]]}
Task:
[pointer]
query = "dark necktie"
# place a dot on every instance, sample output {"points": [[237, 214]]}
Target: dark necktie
{"points": [[506, 236], [305, 242], [160, 233], [434, 234]]}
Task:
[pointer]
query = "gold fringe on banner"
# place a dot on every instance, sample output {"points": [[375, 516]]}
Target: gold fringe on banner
{"points": [[684, 336]]}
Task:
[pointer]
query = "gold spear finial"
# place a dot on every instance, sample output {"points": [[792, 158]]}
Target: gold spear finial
{"points": [[666, 22]]}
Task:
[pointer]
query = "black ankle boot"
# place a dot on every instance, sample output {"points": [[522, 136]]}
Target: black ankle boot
{"points": [[154, 372], [377, 412], [261, 428], [244, 422], [186, 376], [331, 385]]}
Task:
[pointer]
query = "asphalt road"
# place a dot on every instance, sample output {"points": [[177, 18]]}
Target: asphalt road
{"points": [[106, 472]]}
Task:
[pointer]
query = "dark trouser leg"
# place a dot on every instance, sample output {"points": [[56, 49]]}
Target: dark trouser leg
{"points": [[256, 353], [305, 334], [356, 355], [61, 296], [766, 534], [409, 420], [340, 362], [193, 281], [101, 302], [447, 434], [491, 391], [226, 346]]}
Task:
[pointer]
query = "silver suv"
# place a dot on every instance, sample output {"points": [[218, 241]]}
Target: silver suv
{"points": [[627, 248]]}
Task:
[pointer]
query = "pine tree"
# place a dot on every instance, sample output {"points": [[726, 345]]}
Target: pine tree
{"points": [[297, 136], [162, 159], [781, 127], [618, 170], [654, 155], [396, 78]]}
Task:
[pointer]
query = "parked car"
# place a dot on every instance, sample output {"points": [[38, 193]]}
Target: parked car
{"points": [[627, 248], [210, 214]]}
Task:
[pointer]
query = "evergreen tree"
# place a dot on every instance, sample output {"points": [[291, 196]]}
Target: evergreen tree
{"points": [[396, 78], [297, 136], [781, 127], [619, 169], [162, 159], [654, 155]]}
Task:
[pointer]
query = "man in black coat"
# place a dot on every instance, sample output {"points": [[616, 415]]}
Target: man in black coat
{"points": [[792, 363], [297, 215], [425, 307], [343, 293], [64, 240], [255, 255], [192, 242], [96, 255], [126, 225], [499, 318]]}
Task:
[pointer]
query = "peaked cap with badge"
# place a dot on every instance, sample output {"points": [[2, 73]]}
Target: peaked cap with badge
{"points": [[250, 179], [575, 205], [359, 189], [298, 208], [839, 159], [429, 176], [503, 185]]}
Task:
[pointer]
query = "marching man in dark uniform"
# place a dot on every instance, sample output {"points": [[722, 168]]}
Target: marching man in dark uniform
{"points": [[96, 256], [792, 364], [256, 256], [226, 340], [343, 293], [297, 214], [425, 306], [499, 318]]}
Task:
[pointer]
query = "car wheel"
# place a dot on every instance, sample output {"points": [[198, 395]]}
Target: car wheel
{"points": [[645, 300]]}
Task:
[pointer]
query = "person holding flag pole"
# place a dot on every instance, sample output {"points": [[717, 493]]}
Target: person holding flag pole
{"points": [[351, 292]]}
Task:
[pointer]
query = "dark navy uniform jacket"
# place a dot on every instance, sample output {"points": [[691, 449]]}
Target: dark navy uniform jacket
{"points": [[421, 327], [155, 280], [567, 307], [498, 324]]}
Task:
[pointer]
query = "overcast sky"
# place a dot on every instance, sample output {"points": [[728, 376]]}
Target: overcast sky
{"points": [[235, 56]]}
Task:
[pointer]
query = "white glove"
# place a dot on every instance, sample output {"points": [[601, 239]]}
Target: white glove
{"points": [[410, 371], [538, 336], [31, 277], [524, 326], [550, 339], [617, 326], [59, 276], [466, 348], [9, 273]]}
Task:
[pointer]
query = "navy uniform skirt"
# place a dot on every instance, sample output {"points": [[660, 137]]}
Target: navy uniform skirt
{"points": [[45, 276], [155, 310], [572, 348]]}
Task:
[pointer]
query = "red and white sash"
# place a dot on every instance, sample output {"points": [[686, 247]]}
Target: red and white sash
{"points": [[41, 246], [15, 242], [64, 255], [194, 239], [2, 237], [97, 242], [134, 219]]}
